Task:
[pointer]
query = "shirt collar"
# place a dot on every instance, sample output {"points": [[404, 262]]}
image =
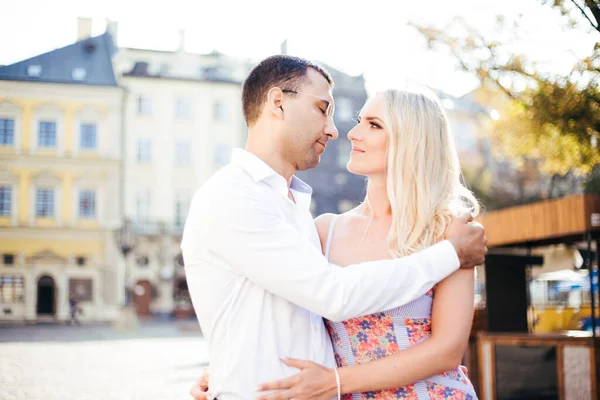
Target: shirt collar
{"points": [[260, 171]]}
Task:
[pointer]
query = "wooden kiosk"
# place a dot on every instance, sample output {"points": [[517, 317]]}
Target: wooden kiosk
{"points": [[506, 360]]}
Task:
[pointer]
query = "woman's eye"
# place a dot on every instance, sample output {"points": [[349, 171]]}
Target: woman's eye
{"points": [[374, 125]]}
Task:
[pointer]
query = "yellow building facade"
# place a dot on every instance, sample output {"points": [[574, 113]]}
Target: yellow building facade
{"points": [[60, 177]]}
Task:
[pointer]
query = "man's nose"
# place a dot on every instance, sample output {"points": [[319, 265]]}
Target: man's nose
{"points": [[331, 130]]}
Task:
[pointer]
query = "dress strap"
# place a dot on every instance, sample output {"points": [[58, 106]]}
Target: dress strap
{"points": [[329, 235]]}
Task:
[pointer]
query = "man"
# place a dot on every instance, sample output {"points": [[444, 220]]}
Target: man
{"points": [[257, 278]]}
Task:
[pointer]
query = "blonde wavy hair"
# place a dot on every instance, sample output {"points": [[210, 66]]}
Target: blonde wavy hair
{"points": [[424, 179]]}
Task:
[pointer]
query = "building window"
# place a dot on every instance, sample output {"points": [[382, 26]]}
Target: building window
{"points": [[345, 205], [219, 111], [8, 259], [87, 204], [78, 74], [88, 136], [163, 69], [344, 147], [341, 178], [34, 70], [47, 134], [81, 289], [7, 132], [215, 72], [142, 261], [44, 203], [221, 154], [144, 148], [344, 110], [183, 108], [80, 261], [5, 201], [313, 206], [182, 206], [142, 205], [144, 105], [183, 153], [12, 289]]}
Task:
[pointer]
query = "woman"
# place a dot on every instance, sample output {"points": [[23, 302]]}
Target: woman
{"points": [[402, 143]]}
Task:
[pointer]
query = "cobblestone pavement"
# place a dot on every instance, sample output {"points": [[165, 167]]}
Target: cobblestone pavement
{"points": [[161, 360]]}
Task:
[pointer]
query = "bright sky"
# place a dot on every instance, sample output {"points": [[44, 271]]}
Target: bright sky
{"points": [[369, 37]]}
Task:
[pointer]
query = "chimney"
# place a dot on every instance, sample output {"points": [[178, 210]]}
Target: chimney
{"points": [[181, 41], [112, 27], [84, 28]]}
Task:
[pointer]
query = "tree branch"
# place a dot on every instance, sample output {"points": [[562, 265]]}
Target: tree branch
{"points": [[507, 91], [594, 7], [585, 15]]}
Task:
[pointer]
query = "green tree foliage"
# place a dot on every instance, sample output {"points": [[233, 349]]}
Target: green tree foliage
{"points": [[549, 118]]}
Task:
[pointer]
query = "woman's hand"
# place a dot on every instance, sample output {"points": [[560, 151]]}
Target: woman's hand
{"points": [[314, 382]]}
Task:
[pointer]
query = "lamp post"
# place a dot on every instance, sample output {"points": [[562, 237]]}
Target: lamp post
{"points": [[128, 317]]}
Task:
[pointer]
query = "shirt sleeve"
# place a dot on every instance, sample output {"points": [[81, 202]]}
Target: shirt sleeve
{"points": [[248, 236]]}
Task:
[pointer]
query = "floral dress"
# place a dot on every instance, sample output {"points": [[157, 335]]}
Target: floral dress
{"points": [[371, 337]]}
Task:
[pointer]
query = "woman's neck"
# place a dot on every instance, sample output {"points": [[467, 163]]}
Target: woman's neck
{"points": [[377, 203]]}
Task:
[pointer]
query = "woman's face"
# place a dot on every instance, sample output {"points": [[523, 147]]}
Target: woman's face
{"points": [[370, 139]]}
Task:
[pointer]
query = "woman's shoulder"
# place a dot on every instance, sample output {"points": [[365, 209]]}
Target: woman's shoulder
{"points": [[324, 219], [322, 222]]}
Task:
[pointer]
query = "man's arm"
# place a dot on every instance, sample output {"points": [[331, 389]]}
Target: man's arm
{"points": [[254, 241], [452, 315]]}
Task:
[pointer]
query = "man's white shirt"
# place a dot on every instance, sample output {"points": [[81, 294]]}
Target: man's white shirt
{"points": [[260, 285]]}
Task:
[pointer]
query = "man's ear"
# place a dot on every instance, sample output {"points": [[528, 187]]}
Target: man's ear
{"points": [[275, 102]]}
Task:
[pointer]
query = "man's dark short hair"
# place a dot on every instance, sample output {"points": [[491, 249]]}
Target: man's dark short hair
{"points": [[282, 71]]}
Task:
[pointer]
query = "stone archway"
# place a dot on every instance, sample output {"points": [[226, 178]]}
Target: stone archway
{"points": [[46, 296]]}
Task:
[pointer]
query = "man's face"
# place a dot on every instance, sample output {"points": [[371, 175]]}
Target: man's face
{"points": [[308, 123]]}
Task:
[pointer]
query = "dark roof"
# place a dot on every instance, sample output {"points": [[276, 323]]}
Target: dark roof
{"points": [[182, 78], [140, 70], [149, 50], [213, 53], [92, 54]]}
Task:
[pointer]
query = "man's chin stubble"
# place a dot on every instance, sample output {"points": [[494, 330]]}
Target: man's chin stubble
{"points": [[309, 164]]}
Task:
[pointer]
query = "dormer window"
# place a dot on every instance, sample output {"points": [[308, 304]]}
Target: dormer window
{"points": [[34, 70], [79, 74]]}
